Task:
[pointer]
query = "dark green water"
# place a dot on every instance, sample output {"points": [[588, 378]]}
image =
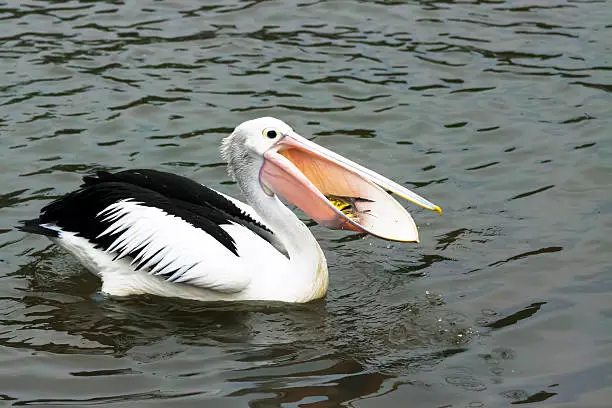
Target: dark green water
{"points": [[499, 111]]}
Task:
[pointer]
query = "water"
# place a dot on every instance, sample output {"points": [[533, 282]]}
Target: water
{"points": [[498, 111]]}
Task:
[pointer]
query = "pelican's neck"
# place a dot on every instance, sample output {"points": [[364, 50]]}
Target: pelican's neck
{"points": [[307, 264], [294, 235]]}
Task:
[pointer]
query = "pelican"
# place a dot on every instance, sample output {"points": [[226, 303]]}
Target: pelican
{"points": [[151, 232]]}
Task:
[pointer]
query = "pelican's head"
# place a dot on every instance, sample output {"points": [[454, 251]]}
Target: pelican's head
{"points": [[331, 189]]}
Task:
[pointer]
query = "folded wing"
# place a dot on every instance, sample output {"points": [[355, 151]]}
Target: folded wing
{"points": [[163, 224]]}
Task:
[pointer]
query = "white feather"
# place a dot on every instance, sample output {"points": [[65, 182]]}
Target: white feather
{"points": [[195, 264], [174, 245]]}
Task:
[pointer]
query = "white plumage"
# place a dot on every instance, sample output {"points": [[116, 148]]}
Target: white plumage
{"points": [[144, 231]]}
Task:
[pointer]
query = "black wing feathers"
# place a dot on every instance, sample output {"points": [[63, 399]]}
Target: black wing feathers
{"points": [[34, 227], [177, 187], [78, 212], [176, 195]]}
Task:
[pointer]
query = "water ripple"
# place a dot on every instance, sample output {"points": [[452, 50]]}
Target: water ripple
{"points": [[497, 110]]}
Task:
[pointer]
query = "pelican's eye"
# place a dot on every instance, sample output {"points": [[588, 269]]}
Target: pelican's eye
{"points": [[270, 133]]}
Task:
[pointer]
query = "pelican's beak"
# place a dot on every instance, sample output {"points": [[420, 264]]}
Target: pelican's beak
{"points": [[336, 192]]}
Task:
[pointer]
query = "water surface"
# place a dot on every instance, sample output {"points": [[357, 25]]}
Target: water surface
{"points": [[499, 111]]}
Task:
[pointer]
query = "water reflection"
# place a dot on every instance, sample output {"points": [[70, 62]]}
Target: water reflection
{"points": [[121, 324], [343, 381], [314, 354]]}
